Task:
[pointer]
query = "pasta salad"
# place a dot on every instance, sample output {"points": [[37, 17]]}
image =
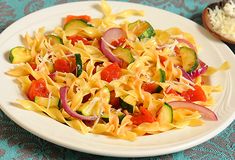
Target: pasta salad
{"points": [[122, 80]]}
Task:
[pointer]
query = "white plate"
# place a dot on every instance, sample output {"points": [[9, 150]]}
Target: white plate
{"points": [[213, 52]]}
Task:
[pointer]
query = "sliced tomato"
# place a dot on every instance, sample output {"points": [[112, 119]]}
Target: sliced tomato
{"points": [[119, 42], [128, 46], [143, 116], [114, 101], [33, 65], [149, 87], [171, 91], [194, 95], [162, 59], [75, 38], [82, 17], [72, 63], [62, 65], [111, 72], [38, 88], [177, 50], [86, 98], [31, 77]]}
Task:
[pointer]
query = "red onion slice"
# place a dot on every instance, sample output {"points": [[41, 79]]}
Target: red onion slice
{"points": [[205, 112], [109, 36], [180, 40], [63, 97], [52, 76], [113, 34], [199, 71], [185, 74], [195, 73], [109, 54]]}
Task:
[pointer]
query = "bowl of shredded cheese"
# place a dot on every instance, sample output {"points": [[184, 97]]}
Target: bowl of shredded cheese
{"points": [[219, 19]]}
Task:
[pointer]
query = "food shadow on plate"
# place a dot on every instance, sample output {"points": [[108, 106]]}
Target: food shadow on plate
{"points": [[6, 56], [97, 7]]}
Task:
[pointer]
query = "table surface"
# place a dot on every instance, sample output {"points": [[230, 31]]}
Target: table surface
{"points": [[17, 143]]}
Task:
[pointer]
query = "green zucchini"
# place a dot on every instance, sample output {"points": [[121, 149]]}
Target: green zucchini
{"points": [[142, 29], [53, 39], [78, 65], [73, 26], [162, 75], [189, 59], [124, 54], [158, 89], [121, 115], [128, 104], [43, 101], [19, 55], [166, 114], [162, 78]]}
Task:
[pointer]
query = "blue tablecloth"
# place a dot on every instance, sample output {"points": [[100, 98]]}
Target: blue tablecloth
{"points": [[16, 143]]}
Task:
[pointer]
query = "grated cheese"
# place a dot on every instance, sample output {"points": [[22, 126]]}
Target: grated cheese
{"points": [[229, 9], [223, 20], [111, 46], [42, 61]]}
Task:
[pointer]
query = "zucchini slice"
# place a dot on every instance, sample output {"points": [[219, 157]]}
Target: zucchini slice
{"points": [[79, 65], [19, 55], [128, 104], [189, 59], [43, 101], [53, 39], [74, 26], [142, 29], [162, 75], [166, 114], [124, 54], [162, 78]]}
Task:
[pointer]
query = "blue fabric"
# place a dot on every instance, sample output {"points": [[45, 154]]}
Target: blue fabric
{"points": [[16, 143]]}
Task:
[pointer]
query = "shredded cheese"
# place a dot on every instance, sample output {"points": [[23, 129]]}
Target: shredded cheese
{"points": [[43, 60], [111, 46], [223, 20]]}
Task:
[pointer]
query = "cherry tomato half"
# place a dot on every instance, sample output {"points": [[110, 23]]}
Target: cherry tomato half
{"points": [[143, 116], [75, 38], [194, 95], [111, 72], [38, 88]]}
